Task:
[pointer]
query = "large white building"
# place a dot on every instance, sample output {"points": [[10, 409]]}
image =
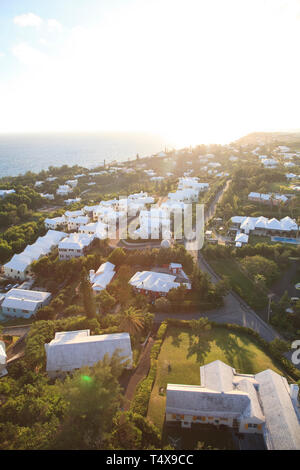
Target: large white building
{"points": [[23, 303], [71, 350], [264, 226], [19, 266], [263, 403]]}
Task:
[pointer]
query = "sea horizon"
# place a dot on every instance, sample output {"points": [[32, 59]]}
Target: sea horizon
{"points": [[22, 152]]}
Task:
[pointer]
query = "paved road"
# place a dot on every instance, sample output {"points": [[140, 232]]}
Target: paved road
{"points": [[235, 309]]}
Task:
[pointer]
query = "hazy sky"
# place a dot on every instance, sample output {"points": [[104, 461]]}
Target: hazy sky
{"points": [[191, 70]]}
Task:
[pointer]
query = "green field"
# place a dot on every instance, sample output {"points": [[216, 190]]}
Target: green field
{"points": [[180, 359], [240, 283]]}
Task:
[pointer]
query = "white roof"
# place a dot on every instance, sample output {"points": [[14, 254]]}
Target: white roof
{"points": [[103, 276], [153, 281], [74, 349], [31, 253], [22, 299], [72, 214], [241, 238], [2, 353], [82, 219], [282, 425], [76, 241]]}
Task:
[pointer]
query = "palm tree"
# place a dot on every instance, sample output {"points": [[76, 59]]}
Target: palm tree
{"points": [[132, 321]]}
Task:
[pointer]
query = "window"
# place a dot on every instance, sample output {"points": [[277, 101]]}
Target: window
{"points": [[252, 425]]}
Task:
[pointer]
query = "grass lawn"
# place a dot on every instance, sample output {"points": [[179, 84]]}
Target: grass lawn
{"points": [[241, 284], [254, 239], [185, 358]]}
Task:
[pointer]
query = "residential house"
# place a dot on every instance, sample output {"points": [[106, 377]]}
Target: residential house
{"points": [[55, 222], [63, 190], [19, 266], [71, 350], [23, 303], [74, 246], [263, 404], [102, 277]]}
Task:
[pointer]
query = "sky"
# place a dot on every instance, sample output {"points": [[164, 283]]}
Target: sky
{"points": [[193, 71]]}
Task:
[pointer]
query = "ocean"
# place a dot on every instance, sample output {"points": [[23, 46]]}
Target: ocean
{"points": [[36, 152]]}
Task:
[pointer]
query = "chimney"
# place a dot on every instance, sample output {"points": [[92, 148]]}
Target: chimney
{"points": [[92, 272]]}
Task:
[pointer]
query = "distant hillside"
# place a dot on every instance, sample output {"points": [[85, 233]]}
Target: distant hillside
{"points": [[261, 138]]}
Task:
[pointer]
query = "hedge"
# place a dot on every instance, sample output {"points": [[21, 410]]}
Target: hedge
{"points": [[141, 398]]}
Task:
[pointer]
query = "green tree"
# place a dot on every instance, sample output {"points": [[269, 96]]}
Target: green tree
{"points": [[132, 321], [87, 295], [93, 397]]}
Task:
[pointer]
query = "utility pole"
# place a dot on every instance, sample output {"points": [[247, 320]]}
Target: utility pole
{"points": [[270, 297]]}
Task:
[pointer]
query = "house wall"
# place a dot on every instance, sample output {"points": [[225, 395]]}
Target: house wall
{"points": [[23, 313], [14, 274], [244, 426]]}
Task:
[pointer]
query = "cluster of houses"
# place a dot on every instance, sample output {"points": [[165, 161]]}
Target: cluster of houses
{"points": [[263, 404], [156, 222], [272, 199]]}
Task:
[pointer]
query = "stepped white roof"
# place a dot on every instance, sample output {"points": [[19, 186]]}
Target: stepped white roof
{"points": [[250, 223], [43, 245], [22, 299], [75, 349]]}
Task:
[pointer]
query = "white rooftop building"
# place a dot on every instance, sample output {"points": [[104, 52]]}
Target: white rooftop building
{"points": [[267, 198], [263, 403], [6, 192], [74, 246], [98, 229], [75, 222], [23, 303], [55, 222], [156, 284], [18, 266], [248, 224], [71, 350], [63, 190], [72, 183], [72, 201], [102, 277], [3, 357]]}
